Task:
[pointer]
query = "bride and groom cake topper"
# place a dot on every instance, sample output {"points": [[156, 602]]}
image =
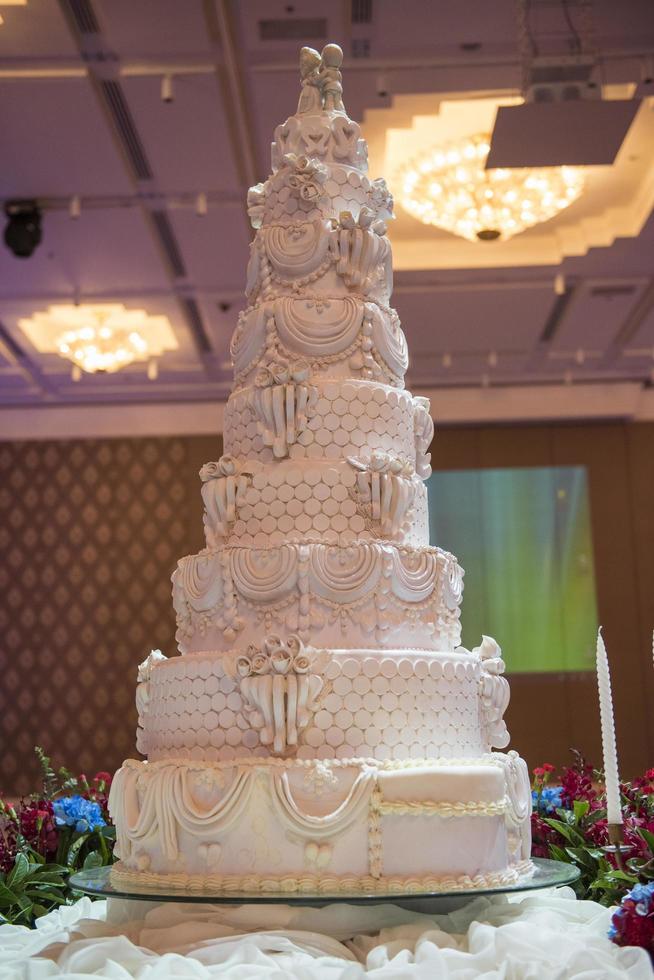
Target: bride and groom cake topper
{"points": [[321, 79]]}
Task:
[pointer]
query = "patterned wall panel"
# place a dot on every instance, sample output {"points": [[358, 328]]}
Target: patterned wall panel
{"points": [[90, 532]]}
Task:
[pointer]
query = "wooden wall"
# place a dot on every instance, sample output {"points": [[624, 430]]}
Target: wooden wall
{"points": [[550, 713], [90, 531]]}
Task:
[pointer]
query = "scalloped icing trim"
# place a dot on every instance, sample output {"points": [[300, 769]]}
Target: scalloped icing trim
{"points": [[500, 760], [323, 884]]}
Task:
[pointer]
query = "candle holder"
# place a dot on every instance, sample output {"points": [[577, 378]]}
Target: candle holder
{"points": [[617, 846]]}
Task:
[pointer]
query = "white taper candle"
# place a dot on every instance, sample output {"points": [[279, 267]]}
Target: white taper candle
{"points": [[613, 808]]}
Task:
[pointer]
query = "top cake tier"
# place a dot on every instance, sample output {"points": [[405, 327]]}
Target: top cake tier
{"points": [[320, 276]]}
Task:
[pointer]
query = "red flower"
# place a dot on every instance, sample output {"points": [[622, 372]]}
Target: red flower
{"points": [[548, 767]]}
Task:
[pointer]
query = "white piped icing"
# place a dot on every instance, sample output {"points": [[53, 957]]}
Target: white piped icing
{"points": [[323, 729]]}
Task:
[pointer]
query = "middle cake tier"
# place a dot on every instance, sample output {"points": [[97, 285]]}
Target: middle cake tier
{"points": [[317, 704], [335, 502], [370, 593]]}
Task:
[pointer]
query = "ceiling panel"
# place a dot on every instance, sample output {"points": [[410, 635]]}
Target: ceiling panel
{"points": [[596, 312], [466, 367], [250, 16], [186, 140], [473, 318], [430, 32], [644, 336], [37, 29], [55, 141], [219, 314], [210, 265], [155, 28], [102, 252]]}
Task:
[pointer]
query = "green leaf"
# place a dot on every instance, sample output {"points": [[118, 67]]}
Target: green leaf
{"points": [[581, 855], [93, 860], [648, 837], [558, 854], [617, 875], [57, 897], [19, 872], [7, 897], [75, 847], [593, 817], [572, 836], [580, 808], [52, 866]]}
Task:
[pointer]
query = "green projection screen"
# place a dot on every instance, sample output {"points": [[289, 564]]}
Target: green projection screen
{"points": [[523, 537]]}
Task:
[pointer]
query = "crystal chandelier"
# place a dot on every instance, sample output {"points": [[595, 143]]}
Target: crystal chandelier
{"points": [[102, 336], [447, 186]]}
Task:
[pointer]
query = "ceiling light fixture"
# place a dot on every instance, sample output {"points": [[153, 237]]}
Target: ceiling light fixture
{"points": [[100, 337], [447, 186], [167, 94]]}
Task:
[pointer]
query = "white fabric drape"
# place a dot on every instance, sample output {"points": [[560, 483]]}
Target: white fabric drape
{"points": [[544, 936]]}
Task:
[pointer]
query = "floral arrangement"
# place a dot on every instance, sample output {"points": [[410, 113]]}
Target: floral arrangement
{"points": [[62, 828], [569, 824], [633, 923]]}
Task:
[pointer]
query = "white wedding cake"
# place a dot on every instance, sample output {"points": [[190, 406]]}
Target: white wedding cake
{"points": [[323, 730]]}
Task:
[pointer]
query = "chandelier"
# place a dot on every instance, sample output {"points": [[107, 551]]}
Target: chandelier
{"points": [[101, 336], [448, 187]]}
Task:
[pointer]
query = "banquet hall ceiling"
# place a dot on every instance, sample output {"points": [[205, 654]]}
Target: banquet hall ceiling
{"points": [[81, 115]]}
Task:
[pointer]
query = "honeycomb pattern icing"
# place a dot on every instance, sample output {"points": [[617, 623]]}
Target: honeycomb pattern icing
{"points": [[372, 705], [348, 419], [286, 503], [345, 190]]}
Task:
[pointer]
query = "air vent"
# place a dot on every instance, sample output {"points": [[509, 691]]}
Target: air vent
{"points": [[83, 16], [608, 292], [8, 341], [361, 11], [293, 29], [554, 319], [129, 137], [194, 320], [360, 47], [169, 243]]}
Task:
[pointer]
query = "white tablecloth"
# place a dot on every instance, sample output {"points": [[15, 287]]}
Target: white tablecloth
{"points": [[539, 936]]}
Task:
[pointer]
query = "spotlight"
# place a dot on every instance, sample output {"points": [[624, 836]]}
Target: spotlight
{"points": [[23, 230]]}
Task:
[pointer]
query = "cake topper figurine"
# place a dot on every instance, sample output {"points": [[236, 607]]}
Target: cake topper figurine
{"points": [[310, 96], [321, 80]]}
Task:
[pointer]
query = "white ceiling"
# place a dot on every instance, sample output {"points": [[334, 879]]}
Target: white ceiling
{"points": [[59, 63]]}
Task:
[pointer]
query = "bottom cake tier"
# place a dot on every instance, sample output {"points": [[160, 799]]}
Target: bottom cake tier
{"points": [[324, 826]]}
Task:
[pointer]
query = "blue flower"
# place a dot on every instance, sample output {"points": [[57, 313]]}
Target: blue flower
{"points": [[75, 811], [549, 800], [642, 893]]}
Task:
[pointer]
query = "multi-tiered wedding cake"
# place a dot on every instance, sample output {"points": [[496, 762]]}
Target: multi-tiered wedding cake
{"points": [[323, 729]]}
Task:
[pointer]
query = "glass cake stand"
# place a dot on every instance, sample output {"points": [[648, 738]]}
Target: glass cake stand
{"points": [[97, 882]]}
